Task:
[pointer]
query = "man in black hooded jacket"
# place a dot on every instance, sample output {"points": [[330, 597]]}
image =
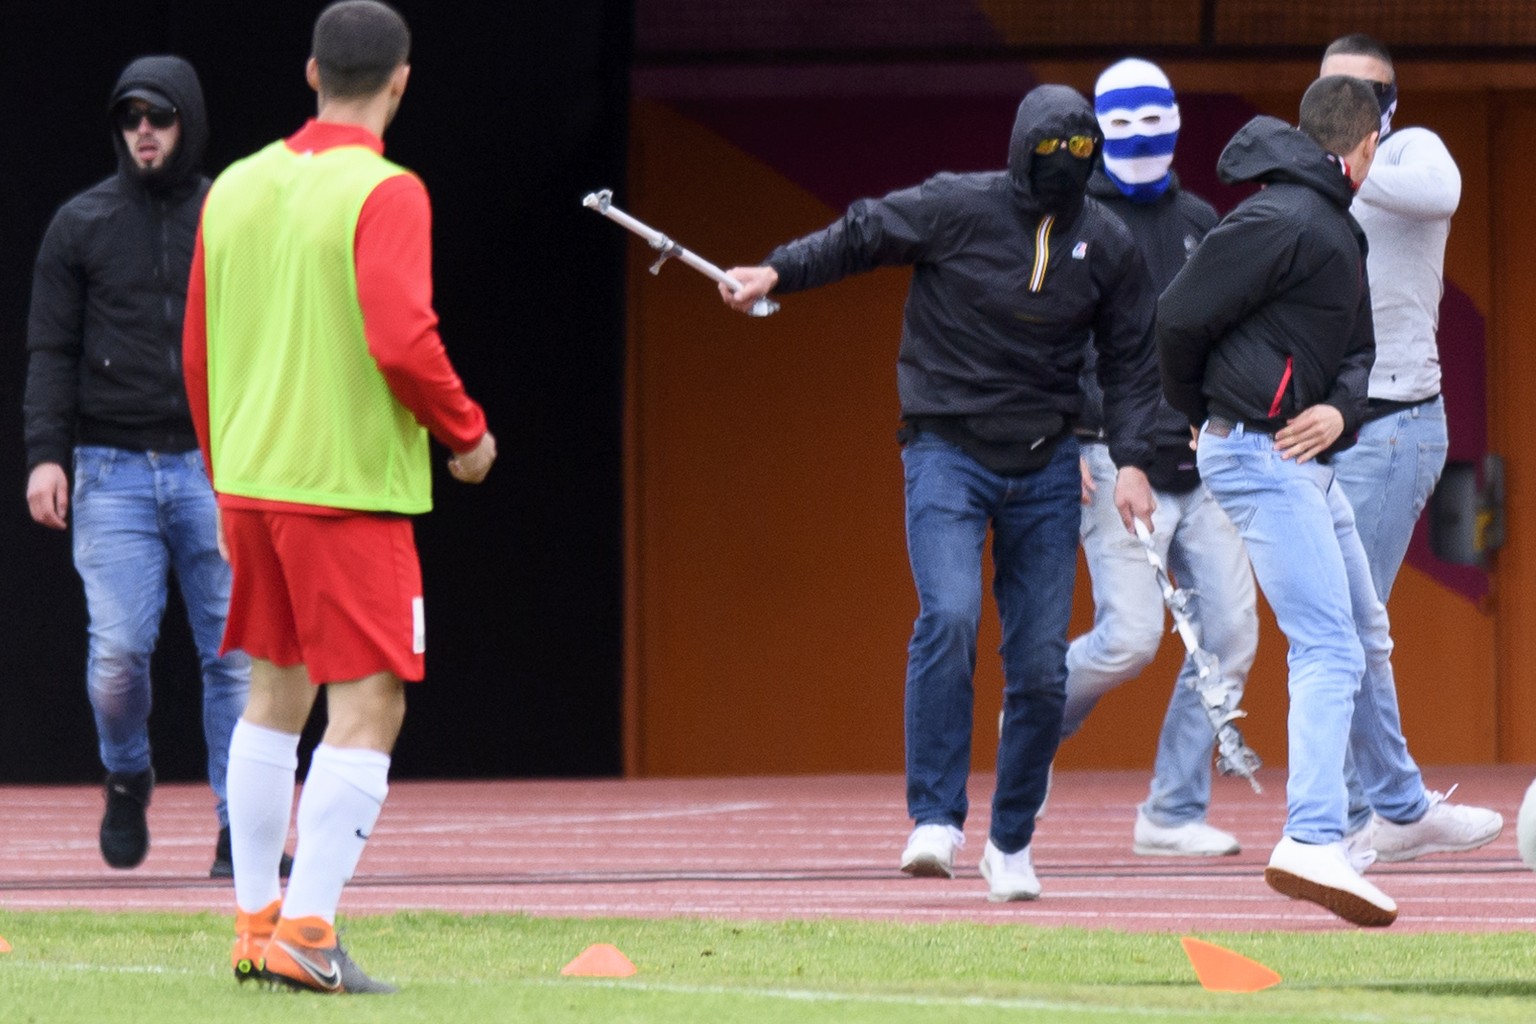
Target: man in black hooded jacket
{"points": [[104, 396], [1266, 339], [1011, 273]]}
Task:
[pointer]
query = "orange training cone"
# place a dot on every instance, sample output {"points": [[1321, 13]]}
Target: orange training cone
{"points": [[599, 960], [5, 947], [1221, 970]]}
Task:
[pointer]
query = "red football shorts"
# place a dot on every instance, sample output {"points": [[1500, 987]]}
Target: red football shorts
{"points": [[339, 594]]}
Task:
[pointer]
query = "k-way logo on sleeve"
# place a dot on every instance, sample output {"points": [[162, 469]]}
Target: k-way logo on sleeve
{"points": [[1080, 251]]}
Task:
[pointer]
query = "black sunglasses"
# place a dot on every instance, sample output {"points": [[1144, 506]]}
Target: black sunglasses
{"points": [[128, 118]]}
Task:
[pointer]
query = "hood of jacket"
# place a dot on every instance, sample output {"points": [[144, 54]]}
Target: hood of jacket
{"points": [[1268, 151], [1047, 112], [174, 79]]}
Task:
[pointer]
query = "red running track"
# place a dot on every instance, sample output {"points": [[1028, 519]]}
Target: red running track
{"points": [[765, 848]]}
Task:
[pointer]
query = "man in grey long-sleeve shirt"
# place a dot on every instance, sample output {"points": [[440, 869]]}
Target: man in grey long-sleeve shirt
{"points": [[1405, 209]]}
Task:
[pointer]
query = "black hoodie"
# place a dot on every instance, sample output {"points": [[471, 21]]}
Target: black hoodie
{"points": [[1167, 230], [1004, 296], [109, 289], [1272, 314]]}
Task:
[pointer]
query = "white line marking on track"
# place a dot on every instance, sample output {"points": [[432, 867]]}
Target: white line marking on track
{"points": [[488, 824]]}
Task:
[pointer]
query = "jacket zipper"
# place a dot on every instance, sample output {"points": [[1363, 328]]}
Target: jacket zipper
{"points": [[163, 258], [1285, 380], [1042, 252]]}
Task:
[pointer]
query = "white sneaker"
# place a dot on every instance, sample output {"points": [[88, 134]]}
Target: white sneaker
{"points": [[930, 851], [1358, 847], [1192, 839], [1525, 828], [1445, 828], [1010, 876], [1321, 874]]}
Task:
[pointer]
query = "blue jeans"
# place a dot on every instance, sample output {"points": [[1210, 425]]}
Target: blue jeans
{"points": [[1300, 533], [1388, 477], [138, 515], [951, 502], [1202, 549]]}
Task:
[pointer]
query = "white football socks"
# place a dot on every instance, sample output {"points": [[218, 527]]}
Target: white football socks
{"points": [[342, 797], [259, 787]]}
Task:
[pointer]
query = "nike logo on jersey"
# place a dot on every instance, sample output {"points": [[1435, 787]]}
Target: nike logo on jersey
{"points": [[326, 975]]}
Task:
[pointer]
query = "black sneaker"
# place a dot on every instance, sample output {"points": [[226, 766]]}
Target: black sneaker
{"points": [[124, 830], [224, 861]]}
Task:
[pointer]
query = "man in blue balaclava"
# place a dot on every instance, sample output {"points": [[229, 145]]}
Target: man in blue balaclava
{"points": [[1140, 120], [1139, 117]]}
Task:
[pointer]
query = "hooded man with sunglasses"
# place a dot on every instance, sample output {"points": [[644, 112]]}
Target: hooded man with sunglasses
{"points": [[105, 400], [1012, 272]]}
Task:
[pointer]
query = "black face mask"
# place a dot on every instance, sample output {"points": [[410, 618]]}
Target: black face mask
{"points": [[1059, 180]]}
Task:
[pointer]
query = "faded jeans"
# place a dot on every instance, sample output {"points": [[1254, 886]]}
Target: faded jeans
{"points": [[1202, 549], [1388, 476], [138, 516], [1300, 533]]}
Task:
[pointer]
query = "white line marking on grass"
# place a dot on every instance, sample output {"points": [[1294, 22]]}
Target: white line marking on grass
{"points": [[44, 965], [968, 1002]]}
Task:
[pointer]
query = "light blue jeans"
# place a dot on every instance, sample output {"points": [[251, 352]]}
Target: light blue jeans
{"points": [[1388, 477], [138, 516], [1301, 537], [1202, 549], [952, 500]]}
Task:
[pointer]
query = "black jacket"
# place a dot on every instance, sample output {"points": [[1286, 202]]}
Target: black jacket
{"points": [[1272, 314], [1167, 231], [109, 289], [1004, 297]]}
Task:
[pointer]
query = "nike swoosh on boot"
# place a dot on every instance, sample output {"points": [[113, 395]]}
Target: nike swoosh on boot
{"points": [[327, 976]]}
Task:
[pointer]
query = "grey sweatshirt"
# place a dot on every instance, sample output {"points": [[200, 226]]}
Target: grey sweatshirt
{"points": [[1405, 207]]}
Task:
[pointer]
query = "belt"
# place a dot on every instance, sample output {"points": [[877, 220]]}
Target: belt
{"points": [[1220, 426], [1387, 405]]}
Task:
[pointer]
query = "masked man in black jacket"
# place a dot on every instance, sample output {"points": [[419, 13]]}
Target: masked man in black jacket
{"points": [[1011, 273], [1266, 339], [104, 395], [1140, 118]]}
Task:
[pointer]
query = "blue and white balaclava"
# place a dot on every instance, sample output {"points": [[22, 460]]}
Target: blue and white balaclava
{"points": [[1386, 99], [1140, 121]]}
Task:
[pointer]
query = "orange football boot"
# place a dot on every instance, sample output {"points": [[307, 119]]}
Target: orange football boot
{"points": [[252, 932], [305, 954]]}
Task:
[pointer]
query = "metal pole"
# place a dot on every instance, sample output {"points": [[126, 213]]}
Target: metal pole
{"points": [[602, 202]]}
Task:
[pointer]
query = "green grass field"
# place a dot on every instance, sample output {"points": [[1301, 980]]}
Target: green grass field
{"points": [[128, 968]]}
